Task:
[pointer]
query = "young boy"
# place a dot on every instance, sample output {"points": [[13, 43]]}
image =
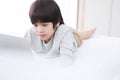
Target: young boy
{"points": [[50, 37]]}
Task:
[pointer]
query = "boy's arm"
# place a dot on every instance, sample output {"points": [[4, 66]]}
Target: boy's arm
{"points": [[68, 45], [67, 48]]}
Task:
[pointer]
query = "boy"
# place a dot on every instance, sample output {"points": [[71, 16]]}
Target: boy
{"points": [[50, 37]]}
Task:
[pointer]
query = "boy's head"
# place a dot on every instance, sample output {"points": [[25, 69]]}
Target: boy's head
{"points": [[45, 11]]}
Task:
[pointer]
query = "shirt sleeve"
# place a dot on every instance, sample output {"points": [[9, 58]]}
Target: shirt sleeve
{"points": [[67, 48], [68, 45]]}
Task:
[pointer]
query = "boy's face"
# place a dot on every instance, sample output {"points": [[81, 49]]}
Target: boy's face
{"points": [[45, 30]]}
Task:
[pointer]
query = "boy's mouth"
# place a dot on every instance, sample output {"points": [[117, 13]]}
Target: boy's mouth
{"points": [[42, 35]]}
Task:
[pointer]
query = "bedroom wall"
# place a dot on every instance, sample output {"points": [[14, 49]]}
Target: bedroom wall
{"points": [[69, 11], [14, 19], [115, 23], [102, 14]]}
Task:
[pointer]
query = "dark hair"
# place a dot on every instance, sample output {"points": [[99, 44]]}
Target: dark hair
{"points": [[45, 11]]}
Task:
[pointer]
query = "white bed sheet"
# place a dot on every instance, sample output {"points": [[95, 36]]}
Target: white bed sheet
{"points": [[97, 59]]}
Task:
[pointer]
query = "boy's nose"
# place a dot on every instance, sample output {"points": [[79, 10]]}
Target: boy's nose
{"points": [[40, 30]]}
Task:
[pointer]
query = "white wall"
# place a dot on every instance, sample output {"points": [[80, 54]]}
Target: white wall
{"points": [[104, 15], [115, 25], [97, 15], [69, 11], [14, 19]]}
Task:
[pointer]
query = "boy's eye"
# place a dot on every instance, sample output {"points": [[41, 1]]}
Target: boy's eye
{"points": [[44, 24], [35, 25]]}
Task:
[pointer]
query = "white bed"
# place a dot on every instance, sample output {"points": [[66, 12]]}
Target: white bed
{"points": [[97, 59]]}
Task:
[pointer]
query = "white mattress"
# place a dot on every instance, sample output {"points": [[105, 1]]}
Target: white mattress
{"points": [[97, 59]]}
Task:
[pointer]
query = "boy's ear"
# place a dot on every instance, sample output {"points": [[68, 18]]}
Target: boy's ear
{"points": [[58, 24]]}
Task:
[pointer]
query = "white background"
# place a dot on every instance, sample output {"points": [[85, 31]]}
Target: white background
{"points": [[104, 15]]}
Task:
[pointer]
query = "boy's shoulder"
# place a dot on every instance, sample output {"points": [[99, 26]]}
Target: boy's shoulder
{"points": [[63, 28]]}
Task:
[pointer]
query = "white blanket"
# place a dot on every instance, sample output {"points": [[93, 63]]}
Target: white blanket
{"points": [[97, 59]]}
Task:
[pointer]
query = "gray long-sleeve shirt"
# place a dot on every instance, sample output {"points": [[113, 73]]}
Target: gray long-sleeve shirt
{"points": [[62, 43]]}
